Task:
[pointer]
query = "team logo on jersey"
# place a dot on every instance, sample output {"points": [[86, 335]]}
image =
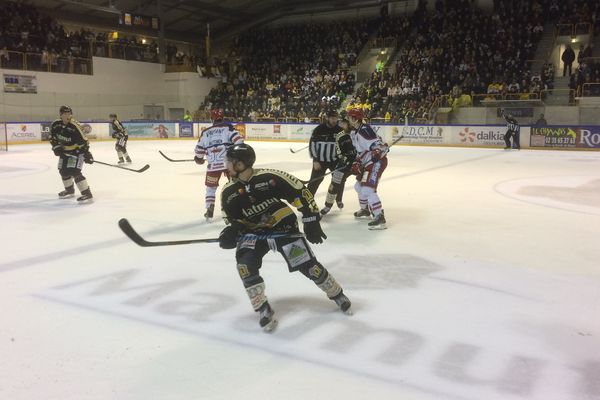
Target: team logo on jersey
{"points": [[296, 253]]}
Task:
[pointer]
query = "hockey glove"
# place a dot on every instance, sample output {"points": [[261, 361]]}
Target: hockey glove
{"points": [[312, 229], [376, 155], [88, 158], [228, 237], [199, 160], [357, 168], [58, 149]]}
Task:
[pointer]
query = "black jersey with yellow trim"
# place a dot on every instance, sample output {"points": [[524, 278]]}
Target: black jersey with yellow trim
{"points": [[118, 128], [257, 203], [69, 135]]}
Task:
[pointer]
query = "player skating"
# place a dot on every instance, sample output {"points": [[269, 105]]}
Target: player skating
{"points": [[71, 147], [211, 148], [346, 155], [260, 221], [370, 163], [119, 132]]}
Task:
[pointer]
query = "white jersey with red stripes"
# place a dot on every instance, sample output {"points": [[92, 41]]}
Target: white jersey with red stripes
{"points": [[365, 140], [213, 144]]}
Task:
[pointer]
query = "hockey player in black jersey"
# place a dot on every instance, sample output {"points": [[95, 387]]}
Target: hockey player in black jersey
{"points": [[71, 147], [120, 133], [260, 221], [512, 130], [346, 155], [322, 148]]}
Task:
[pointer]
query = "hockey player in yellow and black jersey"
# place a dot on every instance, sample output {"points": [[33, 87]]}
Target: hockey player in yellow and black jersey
{"points": [[120, 133], [259, 221], [346, 155], [72, 148]]}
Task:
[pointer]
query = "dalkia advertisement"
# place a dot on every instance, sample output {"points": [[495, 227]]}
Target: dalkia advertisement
{"points": [[481, 135]]}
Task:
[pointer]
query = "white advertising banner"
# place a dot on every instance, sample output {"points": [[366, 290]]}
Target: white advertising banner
{"points": [[24, 132], [492, 136], [421, 134], [300, 132], [96, 130]]}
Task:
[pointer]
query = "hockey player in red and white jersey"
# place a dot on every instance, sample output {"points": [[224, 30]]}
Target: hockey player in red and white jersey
{"points": [[212, 149], [370, 163]]}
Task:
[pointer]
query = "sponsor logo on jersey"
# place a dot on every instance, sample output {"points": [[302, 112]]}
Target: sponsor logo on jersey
{"points": [[259, 208]]}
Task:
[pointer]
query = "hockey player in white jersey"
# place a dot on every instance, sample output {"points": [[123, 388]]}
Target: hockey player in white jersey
{"points": [[212, 149], [370, 163]]}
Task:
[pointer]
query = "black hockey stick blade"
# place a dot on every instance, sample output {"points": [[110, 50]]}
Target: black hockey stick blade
{"points": [[296, 151], [140, 241], [173, 160], [145, 167]]}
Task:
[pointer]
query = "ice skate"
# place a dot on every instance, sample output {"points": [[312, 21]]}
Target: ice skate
{"points": [[340, 204], [66, 194], [326, 209], [378, 223], [128, 159], [85, 198], [363, 212], [343, 303], [209, 212], [267, 318], [121, 161]]}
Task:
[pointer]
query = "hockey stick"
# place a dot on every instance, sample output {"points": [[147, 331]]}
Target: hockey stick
{"points": [[145, 167], [296, 151], [140, 241], [173, 160], [339, 169]]}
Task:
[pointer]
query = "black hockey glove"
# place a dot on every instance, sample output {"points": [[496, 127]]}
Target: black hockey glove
{"points": [[312, 229], [58, 149], [199, 160], [88, 158], [228, 236]]}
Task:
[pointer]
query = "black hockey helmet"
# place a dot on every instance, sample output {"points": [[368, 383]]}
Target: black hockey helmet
{"points": [[113, 115], [242, 152], [65, 109], [332, 113]]}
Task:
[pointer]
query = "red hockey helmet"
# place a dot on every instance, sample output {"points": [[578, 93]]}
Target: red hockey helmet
{"points": [[217, 114], [356, 113]]}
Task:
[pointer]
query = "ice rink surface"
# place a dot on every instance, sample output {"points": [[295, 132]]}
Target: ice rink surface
{"points": [[486, 284]]}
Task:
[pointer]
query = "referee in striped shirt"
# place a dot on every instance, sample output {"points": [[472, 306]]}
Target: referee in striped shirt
{"points": [[322, 149]]}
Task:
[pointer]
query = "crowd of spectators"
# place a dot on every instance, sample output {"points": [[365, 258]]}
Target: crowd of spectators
{"points": [[459, 51], [295, 72], [45, 43]]}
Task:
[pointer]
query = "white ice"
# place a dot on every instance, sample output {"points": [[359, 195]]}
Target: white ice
{"points": [[486, 284]]}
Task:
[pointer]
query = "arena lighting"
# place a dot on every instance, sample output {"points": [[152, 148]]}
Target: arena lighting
{"points": [[574, 40], [143, 41]]}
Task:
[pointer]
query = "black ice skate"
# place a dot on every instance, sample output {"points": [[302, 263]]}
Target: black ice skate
{"points": [[210, 211], [128, 159], [343, 303], [363, 212], [340, 204], [378, 222], [85, 197], [65, 194], [326, 209], [121, 161], [267, 318]]}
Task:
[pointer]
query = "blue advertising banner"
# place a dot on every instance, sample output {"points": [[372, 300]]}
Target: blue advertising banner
{"points": [[186, 129]]}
